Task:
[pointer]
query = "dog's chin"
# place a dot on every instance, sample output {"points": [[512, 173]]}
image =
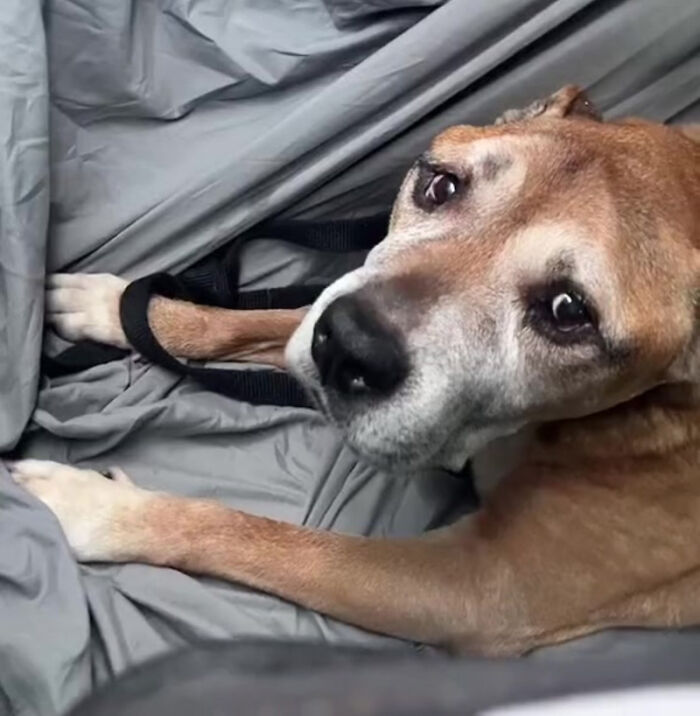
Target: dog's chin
{"points": [[371, 437], [396, 460], [423, 452], [419, 451], [385, 451], [451, 455], [388, 451]]}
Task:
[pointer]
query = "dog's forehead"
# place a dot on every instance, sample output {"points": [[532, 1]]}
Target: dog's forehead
{"points": [[488, 147]]}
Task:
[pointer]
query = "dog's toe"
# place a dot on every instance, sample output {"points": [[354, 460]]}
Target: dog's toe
{"points": [[86, 306], [91, 508]]}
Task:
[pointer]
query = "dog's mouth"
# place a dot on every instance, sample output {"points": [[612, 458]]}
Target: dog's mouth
{"points": [[389, 452], [317, 399], [377, 432]]}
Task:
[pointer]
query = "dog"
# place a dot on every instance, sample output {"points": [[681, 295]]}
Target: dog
{"points": [[534, 307]]}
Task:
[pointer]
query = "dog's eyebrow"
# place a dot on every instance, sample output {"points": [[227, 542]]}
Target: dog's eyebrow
{"points": [[560, 266], [427, 161], [488, 168], [493, 164]]}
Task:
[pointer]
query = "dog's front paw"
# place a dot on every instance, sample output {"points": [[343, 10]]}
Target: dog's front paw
{"points": [[100, 517], [86, 306]]}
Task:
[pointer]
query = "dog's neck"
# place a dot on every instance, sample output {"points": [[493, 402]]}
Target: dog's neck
{"points": [[662, 422], [658, 423]]}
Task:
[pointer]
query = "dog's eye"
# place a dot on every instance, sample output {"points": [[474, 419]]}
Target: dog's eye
{"points": [[441, 188], [560, 313], [569, 312]]}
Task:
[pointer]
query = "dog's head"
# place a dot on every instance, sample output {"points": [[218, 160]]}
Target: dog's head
{"points": [[539, 269]]}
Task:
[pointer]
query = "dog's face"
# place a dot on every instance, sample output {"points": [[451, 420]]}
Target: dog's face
{"points": [[532, 271]]}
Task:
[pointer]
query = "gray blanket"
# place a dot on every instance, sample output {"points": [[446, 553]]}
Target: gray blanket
{"points": [[171, 127]]}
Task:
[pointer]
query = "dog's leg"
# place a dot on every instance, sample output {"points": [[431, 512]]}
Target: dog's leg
{"points": [[540, 564], [86, 306], [206, 332], [412, 588]]}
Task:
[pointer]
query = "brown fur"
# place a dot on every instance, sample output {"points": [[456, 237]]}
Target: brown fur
{"points": [[205, 332], [600, 524]]}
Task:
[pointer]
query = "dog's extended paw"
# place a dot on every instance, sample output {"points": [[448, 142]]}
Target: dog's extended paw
{"points": [[86, 306], [99, 516]]}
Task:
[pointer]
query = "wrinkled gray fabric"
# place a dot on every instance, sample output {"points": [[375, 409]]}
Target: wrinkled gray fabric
{"points": [[24, 203], [175, 125]]}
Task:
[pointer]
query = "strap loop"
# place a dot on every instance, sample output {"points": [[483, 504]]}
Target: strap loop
{"points": [[267, 386], [215, 282]]}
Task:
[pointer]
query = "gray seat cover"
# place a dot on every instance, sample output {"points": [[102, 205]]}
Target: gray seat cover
{"points": [[170, 127]]}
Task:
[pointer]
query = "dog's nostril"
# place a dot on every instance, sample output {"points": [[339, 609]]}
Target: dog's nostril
{"points": [[355, 352], [319, 346], [357, 384], [322, 337]]}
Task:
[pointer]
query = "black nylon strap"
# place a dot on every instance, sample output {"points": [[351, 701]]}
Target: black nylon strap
{"points": [[215, 282], [133, 313], [283, 297], [80, 356], [270, 387], [341, 236]]}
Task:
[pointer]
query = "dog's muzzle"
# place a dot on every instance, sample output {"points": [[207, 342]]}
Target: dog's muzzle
{"points": [[355, 352]]}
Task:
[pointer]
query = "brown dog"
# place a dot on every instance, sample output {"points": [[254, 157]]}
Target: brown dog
{"points": [[540, 281]]}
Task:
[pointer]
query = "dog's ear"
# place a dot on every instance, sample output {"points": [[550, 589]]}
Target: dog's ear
{"points": [[570, 101]]}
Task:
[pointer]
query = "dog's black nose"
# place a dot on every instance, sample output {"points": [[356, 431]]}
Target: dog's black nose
{"points": [[355, 352]]}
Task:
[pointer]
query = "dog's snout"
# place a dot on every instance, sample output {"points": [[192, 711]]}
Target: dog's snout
{"points": [[355, 352]]}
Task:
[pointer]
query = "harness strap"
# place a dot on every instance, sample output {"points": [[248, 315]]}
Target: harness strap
{"points": [[267, 386], [215, 282]]}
